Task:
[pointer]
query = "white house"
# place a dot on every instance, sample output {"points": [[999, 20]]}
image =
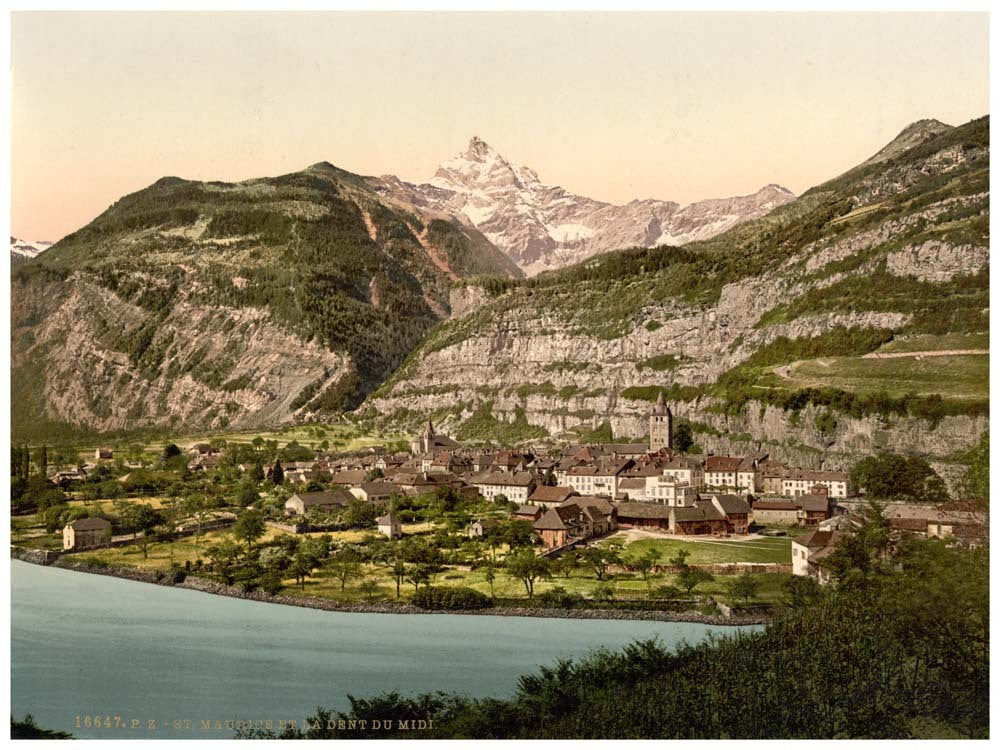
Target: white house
{"points": [[389, 525], [801, 482], [515, 486], [666, 490]]}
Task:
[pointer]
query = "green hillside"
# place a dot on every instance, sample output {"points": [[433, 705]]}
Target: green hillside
{"points": [[228, 285], [895, 249]]}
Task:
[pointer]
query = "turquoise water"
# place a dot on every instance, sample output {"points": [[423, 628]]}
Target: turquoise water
{"points": [[130, 654]]}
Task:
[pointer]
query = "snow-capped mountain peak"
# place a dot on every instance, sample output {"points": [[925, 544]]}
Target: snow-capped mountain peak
{"points": [[544, 226], [25, 249]]}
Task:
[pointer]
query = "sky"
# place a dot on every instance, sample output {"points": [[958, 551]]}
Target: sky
{"points": [[676, 106]]}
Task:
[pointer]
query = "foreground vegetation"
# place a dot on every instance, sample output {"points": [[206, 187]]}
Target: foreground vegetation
{"points": [[900, 648]]}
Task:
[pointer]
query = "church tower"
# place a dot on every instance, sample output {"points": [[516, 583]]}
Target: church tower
{"points": [[661, 426]]}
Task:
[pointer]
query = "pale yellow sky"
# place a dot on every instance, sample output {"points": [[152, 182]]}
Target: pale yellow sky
{"points": [[612, 106]]}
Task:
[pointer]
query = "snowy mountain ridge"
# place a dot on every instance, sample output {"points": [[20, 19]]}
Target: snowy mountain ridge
{"points": [[542, 227]]}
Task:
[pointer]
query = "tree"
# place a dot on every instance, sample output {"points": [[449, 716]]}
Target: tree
{"points": [[257, 471], [668, 592], [246, 494], [516, 533], [603, 593], [223, 557], [417, 574], [249, 527], [345, 565], [197, 506], [369, 587], [43, 461], [864, 553], [490, 576], [689, 578], [645, 562], [889, 476], [975, 485], [600, 559], [141, 518], [682, 437], [399, 572], [801, 591], [277, 473], [526, 566], [302, 565], [169, 451], [549, 479], [679, 560], [744, 585]]}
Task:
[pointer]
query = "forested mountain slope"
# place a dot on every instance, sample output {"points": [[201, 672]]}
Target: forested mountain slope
{"points": [[215, 304]]}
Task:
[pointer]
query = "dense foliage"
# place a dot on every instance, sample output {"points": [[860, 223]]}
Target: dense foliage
{"points": [[889, 654], [450, 598], [888, 476]]}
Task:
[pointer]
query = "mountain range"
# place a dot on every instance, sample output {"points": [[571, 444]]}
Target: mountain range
{"points": [[543, 227], [25, 250], [787, 334], [209, 305]]}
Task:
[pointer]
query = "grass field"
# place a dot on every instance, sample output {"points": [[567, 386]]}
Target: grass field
{"points": [[581, 581], [778, 550], [163, 556], [959, 377], [945, 342]]}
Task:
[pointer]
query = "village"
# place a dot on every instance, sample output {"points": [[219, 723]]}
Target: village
{"points": [[623, 522]]}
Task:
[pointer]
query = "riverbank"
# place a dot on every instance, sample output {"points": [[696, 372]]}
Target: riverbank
{"points": [[206, 586]]}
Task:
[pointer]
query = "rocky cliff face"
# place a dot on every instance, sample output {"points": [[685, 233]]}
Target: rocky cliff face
{"points": [[591, 347], [543, 227], [207, 305]]}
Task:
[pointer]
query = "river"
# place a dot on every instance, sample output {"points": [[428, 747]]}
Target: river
{"points": [[157, 662]]}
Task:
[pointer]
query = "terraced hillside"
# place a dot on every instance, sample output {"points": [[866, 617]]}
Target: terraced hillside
{"points": [[213, 305], [891, 254]]}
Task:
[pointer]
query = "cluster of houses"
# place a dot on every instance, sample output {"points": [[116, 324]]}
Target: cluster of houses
{"points": [[584, 491], [952, 522]]}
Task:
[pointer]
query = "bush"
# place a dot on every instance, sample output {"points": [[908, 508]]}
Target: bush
{"points": [[450, 598], [559, 598]]}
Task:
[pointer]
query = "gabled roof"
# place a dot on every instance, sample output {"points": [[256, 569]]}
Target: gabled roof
{"points": [[774, 505], [528, 510], [387, 520], [814, 503], [488, 523], [732, 504], [723, 463], [700, 512], [818, 539], [379, 488], [90, 524], [544, 494], [317, 499], [562, 517], [601, 504], [642, 510]]}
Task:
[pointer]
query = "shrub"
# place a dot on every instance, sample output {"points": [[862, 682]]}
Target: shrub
{"points": [[450, 598]]}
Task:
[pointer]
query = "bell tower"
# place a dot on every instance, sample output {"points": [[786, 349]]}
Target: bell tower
{"points": [[661, 426]]}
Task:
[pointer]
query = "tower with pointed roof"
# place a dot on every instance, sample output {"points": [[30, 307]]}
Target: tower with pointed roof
{"points": [[661, 426]]}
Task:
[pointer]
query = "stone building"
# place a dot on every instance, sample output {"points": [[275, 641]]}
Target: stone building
{"points": [[86, 532], [661, 426]]}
